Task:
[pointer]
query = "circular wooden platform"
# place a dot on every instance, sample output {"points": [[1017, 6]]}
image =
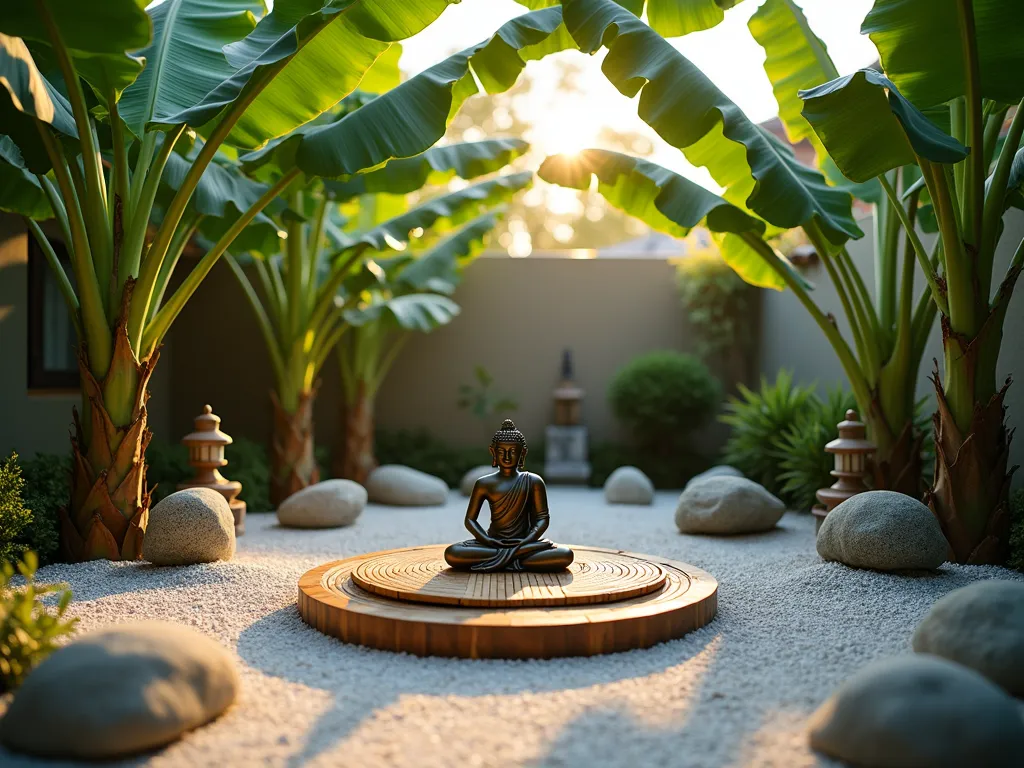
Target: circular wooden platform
{"points": [[333, 602], [419, 575]]}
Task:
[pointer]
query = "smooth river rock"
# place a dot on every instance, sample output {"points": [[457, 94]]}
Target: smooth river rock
{"points": [[469, 479], [980, 626], [330, 504], [628, 485], [119, 691], [190, 526], [884, 531], [919, 712], [722, 470], [724, 504], [405, 487]]}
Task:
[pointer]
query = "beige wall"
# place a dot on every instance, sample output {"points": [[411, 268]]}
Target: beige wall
{"points": [[32, 422], [517, 317], [790, 340]]}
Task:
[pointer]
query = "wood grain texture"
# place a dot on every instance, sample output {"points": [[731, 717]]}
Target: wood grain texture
{"points": [[330, 601], [420, 575]]}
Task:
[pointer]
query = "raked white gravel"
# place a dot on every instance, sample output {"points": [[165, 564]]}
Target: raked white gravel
{"points": [[789, 629]]}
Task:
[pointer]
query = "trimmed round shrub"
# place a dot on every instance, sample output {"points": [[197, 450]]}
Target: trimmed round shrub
{"points": [[663, 396]]}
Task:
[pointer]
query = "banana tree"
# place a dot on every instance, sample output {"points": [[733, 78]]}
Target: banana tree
{"points": [[122, 82], [298, 312], [954, 63], [403, 294]]}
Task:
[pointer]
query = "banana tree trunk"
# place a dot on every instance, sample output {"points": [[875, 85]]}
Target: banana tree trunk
{"points": [[292, 461], [109, 498], [357, 458], [898, 464]]}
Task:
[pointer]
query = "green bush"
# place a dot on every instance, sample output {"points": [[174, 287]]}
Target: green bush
{"points": [[247, 464], [718, 303], [15, 517], [800, 449], [1017, 530], [28, 631], [757, 420], [421, 450], [47, 490], [662, 397]]}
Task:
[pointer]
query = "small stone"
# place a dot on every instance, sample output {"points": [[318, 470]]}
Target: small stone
{"points": [[884, 531], [330, 504], [120, 691], [405, 487], [980, 626], [919, 712], [628, 485], [722, 470], [469, 479], [190, 526], [724, 504]]}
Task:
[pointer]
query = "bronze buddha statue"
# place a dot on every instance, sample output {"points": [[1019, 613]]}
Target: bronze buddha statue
{"points": [[519, 516]]}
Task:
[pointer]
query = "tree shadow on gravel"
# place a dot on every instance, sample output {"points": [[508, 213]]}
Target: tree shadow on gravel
{"points": [[269, 646]]}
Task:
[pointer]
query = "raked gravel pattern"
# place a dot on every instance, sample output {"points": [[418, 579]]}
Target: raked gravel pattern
{"points": [[789, 629]]}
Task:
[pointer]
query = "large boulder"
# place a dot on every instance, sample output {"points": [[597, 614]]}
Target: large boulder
{"points": [[982, 627], [628, 485], [190, 526], [119, 691], [330, 504], [883, 530], [405, 487], [722, 470], [919, 712], [723, 504], [469, 479]]}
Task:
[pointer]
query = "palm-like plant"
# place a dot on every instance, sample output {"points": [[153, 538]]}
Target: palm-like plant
{"points": [[402, 294], [90, 149]]}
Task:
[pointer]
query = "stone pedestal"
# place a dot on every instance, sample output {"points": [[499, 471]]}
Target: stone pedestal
{"points": [[565, 454]]}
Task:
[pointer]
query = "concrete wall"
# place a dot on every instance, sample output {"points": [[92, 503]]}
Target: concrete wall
{"points": [[517, 317], [35, 421], [789, 339]]}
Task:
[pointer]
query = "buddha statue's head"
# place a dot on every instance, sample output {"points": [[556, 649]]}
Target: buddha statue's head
{"points": [[508, 447]]}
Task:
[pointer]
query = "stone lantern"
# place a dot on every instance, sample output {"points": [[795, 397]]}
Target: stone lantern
{"points": [[565, 448], [206, 455], [851, 451]]}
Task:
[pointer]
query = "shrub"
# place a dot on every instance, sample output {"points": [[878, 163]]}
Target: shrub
{"points": [[662, 397], [47, 490], [757, 420], [1017, 530], [28, 631], [15, 517], [804, 465], [247, 464], [717, 302]]}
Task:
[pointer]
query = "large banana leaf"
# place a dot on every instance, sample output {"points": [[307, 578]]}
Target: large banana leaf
{"points": [[919, 42], [691, 113], [315, 51], [185, 60], [440, 268], [25, 94], [411, 312], [669, 18], [19, 190], [437, 165], [219, 187], [868, 127], [668, 202], [795, 59]]}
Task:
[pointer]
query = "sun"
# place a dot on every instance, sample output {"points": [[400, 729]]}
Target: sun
{"points": [[564, 129]]}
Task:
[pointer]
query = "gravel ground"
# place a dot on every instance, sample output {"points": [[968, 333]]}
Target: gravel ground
{"points": [[789, 629]]}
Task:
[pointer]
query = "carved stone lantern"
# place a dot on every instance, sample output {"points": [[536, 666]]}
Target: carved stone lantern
{"points": [[568, 396], [206, 455], [851, 450], [565, 447]]}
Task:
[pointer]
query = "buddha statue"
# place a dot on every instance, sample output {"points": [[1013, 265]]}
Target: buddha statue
{"points": [[519, 516]]}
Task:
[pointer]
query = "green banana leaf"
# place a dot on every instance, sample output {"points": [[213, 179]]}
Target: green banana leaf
{"points": [[25, 94], [795, 59], [757, 170], [316, 52], [868, 127], [440, 269], [436, 166], [668, 202], [185, 60], [19, 189], [422, 312], [919, 44], [669, 18]]}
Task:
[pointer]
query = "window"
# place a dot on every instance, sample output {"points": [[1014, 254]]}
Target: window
{"points": [[51, 333]]}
